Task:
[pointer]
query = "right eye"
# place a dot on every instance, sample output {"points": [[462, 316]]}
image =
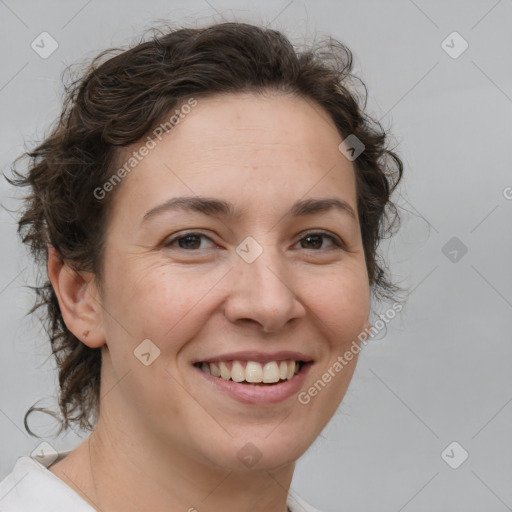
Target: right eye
{"points": [[188, 241]]}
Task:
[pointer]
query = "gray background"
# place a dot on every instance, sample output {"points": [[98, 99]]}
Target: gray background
{"points": [[442, 372]]}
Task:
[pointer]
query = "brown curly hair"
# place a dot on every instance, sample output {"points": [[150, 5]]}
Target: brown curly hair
{"points": [[118, 100]]}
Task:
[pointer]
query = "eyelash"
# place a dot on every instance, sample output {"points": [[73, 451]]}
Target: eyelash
{"points": [[335, 240]]}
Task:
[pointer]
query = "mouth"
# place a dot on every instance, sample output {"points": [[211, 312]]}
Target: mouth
{"points": [[252, 372], [255, 383]]}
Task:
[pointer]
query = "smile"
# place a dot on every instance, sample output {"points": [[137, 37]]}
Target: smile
{"points": [[252, 372], [254, 383]]}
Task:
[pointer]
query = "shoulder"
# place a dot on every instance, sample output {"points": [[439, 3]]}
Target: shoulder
{"points": [[297, 504], [30, 487]]}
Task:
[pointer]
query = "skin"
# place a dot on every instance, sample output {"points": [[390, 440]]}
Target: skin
{"points": [[163, 433]]}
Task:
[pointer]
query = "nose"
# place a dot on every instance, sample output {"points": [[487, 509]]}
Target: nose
{"points": [[262, 293]]}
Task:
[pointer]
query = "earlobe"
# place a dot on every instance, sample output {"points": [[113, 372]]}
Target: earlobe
{"points": [[80, 309]]}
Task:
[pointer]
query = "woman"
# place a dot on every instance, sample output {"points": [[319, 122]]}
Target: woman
{"points": [[209, 208]]}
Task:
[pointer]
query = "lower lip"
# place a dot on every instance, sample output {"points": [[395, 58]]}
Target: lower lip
{"points": [[259, 395]]}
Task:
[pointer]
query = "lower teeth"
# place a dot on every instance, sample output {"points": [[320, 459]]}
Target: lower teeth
{"points": [[261, 383]]}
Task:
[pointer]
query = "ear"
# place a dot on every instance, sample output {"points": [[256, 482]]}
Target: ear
{"points": [[78, 299]]}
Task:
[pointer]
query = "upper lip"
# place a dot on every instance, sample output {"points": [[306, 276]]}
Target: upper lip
{"points": [[259, 357]]}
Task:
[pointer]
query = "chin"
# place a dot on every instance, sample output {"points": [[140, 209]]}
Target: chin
{"points": [[269, 449]]}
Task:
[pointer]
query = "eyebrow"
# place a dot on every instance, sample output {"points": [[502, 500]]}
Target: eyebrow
{"points": [[219, 207]]}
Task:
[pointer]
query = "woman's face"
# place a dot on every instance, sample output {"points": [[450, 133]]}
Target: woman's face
{"points": [[260, 260]]}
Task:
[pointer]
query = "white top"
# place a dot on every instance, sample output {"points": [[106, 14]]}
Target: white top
{"points": [[31, 487]]}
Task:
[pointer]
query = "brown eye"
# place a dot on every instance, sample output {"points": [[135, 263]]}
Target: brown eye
{"points": [[191, 241], [312, 242], [316, 241]]}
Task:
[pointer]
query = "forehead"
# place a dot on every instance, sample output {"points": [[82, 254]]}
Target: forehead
{"points": [[253, 146], [274, 124]]}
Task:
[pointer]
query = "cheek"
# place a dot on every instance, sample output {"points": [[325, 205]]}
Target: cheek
{"points": [[342, 304], [157, 302], [342, 307]]}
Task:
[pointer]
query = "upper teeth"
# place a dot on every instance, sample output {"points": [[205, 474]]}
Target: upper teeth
{"points": [[253, 372]]}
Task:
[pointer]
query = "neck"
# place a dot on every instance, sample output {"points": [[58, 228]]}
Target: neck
{"points": [[176, 482]]}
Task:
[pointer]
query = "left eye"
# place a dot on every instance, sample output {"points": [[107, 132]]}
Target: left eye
{"points": [[190, 241], [316, 241]]}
